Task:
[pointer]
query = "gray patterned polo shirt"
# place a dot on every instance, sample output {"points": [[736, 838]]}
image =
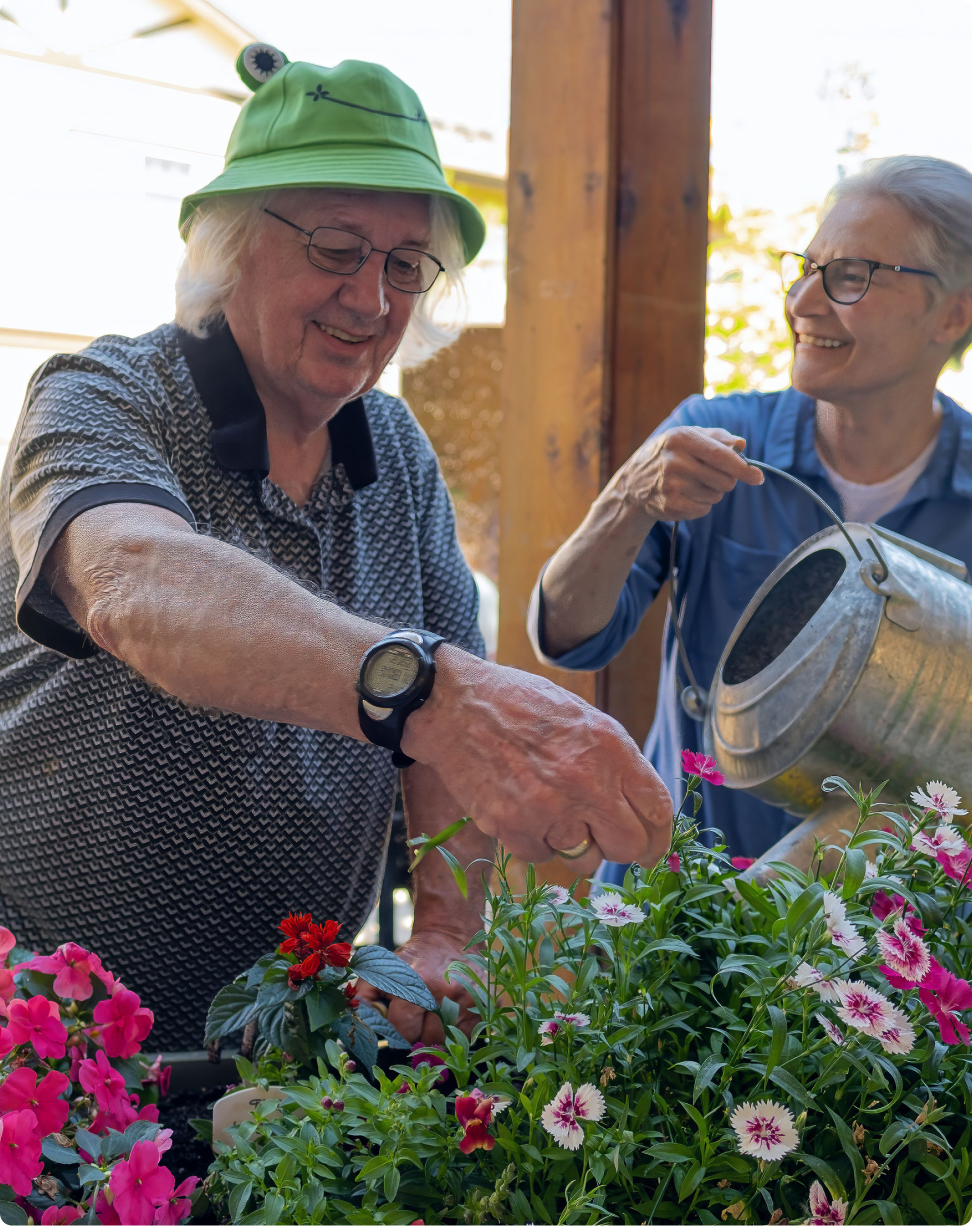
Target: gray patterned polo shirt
{"points": [[171, 840]]}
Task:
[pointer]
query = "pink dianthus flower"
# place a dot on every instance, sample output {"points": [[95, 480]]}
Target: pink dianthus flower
{"points": [[701, 765]]}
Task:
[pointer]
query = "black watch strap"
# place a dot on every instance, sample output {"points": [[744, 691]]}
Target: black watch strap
{"points": [[383, 725]]}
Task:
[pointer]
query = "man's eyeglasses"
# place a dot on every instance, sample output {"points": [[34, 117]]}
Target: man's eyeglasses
{"points": [[340, 251], [844, 280]]}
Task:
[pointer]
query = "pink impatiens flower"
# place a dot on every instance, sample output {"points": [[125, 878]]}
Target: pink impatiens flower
{"points": [[702, 766], [611, 909], [7, 989], [73, 968], [863, 1007], [20, 1151], [822, 1212], [37, 1021], [7, 942], [562, 1117], [97, 1077], [178, 1205], [139, 1185], [904, 953], [61, 1215], [21, 1091], [742, 862], [765, 1130], [124, 1022], [944, 995]]}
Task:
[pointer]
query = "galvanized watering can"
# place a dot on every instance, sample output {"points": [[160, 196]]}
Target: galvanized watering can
{"points": [[854, 658]]}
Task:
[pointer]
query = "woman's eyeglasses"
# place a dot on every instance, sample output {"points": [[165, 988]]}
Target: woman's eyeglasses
{"points": [[845, 280], [340, 251]]}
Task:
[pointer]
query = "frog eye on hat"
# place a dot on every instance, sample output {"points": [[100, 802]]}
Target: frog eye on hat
{"points": [[258, 62]]}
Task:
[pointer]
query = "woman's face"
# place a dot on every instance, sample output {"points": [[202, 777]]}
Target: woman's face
{"points": [[313, 335], [896, 333]]}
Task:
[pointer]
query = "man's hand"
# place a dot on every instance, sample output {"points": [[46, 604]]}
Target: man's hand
{"points": [[536, 767], [429, 954], [684, 472]]}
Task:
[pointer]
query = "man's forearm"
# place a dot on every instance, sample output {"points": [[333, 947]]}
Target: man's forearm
{"points": [[584, 579], [439, 905]]}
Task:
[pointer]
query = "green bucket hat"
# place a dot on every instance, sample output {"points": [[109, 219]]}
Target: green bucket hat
{"points": [[356, 125]]}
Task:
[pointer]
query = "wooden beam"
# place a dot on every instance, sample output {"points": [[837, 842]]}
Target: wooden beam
{"points": [[664, 71], [559, 298]]}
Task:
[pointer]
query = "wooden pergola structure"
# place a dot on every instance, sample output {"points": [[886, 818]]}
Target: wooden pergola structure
{"points": [[608, 192]]}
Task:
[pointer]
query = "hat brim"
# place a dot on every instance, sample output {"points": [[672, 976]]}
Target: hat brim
{"points": [[367, 167]]}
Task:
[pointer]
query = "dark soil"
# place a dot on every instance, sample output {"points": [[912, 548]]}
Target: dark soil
{"points": [[189, 1155]]}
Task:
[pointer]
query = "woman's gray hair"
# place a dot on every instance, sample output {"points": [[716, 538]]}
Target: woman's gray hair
{"points": [[938, 195], [222, 228]]}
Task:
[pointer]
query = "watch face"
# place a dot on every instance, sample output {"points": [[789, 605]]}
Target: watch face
{"points": [[391, 671]]}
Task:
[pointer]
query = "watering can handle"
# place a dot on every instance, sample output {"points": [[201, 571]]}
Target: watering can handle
{"points": [[816, 497]]}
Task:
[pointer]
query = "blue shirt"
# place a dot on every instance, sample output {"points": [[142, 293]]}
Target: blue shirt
{"points": [[725, 556]]}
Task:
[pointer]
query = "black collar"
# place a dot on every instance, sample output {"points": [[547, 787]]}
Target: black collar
{"points": [[240, 424]]}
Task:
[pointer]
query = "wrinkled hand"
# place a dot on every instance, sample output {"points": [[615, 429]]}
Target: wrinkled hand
{"points": [[429, 954], [684, 472], [536, 767]]}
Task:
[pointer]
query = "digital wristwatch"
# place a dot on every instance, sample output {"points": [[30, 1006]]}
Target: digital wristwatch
{"points": [[395, 678]]}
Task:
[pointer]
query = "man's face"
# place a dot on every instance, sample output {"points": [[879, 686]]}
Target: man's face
{"points": [[313, 335], [892, 333]]}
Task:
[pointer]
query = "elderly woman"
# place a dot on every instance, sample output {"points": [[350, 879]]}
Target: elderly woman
{"points": [[240, 605], [878, 304]]}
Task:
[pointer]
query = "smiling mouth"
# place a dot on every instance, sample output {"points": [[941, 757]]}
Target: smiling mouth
{"points": [[342, 336], [821, 342]]}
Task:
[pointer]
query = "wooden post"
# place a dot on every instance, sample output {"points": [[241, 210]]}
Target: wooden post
{"points": [[608, 195], [561, 202], [664, 71]]}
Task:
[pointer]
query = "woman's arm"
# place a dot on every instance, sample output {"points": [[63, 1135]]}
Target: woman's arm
{"points": [[677, 475]]}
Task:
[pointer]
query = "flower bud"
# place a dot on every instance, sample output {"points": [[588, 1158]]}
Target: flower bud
{"points": [[350, 1066], [339, 1105], [326, 1103]]}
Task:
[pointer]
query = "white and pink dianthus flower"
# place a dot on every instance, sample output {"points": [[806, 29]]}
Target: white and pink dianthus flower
{"points": [[940, 799], [906, 954], [832, 1030], [840, 929], [898, 1035], [563, 1117], [822, 1211], [863, 1007], [556, 895], [764, 1130], [550, 1027], [611, 909]]}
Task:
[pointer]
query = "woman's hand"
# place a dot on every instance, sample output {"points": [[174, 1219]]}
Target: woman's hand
{"points": [[683, 473]]}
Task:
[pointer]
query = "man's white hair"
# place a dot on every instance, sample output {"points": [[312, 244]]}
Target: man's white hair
{"points": [[938, 195], [222, 228]]}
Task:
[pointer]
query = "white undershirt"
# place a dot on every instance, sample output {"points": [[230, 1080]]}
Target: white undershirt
{"points": [[865, 504]]}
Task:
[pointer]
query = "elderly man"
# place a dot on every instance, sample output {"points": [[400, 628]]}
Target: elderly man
{"points": [[234, 599]]}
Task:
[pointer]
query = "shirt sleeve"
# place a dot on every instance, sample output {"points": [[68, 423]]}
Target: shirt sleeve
{"points": [[649, 572], [91, 432]]}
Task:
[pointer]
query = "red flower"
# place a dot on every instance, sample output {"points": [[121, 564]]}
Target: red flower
{"points": [[943, 995], [37, 1021], [474, 1111], [350, 997], [19, 1091], [339, 954], [294, 928], [702, 766], [124, 1022]]}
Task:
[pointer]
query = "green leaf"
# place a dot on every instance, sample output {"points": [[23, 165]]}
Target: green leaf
{"points": [[232, 1007], [786, 1081], [778, 1020], [803, 908], [849, 1147], [693, 1177], [756, 897], [425, 843], [893, 1135], [706, 1074], [254, 976], [670, 1151], [383, 1028], [389, 973], [375, 1165], [89, 1142], [931, 1214], [855, 870], [131, 1070], [890, 1213], [238, 1199], [392, 1177], [12, 1214], [672, 945], [831, 1179], [458, 872], [203, 1129], [324, 1004], [91, 1174], [59, 1153]]}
